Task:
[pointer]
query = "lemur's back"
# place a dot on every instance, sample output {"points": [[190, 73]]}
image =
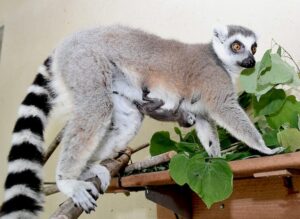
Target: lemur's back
{"points": [[132, 50]]}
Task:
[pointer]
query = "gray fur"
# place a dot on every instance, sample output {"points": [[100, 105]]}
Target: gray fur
{"points": [[235, 29]]}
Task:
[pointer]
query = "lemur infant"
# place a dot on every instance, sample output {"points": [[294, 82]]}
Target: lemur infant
{"points": [[152, 108], [85, 71]]}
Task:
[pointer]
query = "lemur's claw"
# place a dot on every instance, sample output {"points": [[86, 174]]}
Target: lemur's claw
{"points": [[93, 195], [81, 192]]}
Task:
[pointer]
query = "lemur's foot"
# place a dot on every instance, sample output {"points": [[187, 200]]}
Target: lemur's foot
{"points": [[84, 194], [99, 171]]}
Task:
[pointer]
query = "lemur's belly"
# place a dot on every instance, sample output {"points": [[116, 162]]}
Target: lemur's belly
{"points": [[130, 85]]}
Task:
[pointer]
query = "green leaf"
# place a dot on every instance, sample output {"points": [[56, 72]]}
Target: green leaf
{"points": [[296, 81], [211, 180], [178, 132], [289, 138], [190, 148], [269, 103], [279, 51], [161, 143], [270, 138], [262, 89], [192, 137], [178, 167], [288, 114], [248, 79], [237, 156], [280, 72], [265, 62]]}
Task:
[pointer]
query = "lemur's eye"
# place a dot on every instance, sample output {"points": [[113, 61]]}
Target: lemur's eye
{"points": [[236, 46], [253, 48]]}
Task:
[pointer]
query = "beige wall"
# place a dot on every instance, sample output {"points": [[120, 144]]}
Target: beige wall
{"points": [[33, 28]]}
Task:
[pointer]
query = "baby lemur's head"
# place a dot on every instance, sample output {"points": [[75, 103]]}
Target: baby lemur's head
{"points": [[235, 47]]}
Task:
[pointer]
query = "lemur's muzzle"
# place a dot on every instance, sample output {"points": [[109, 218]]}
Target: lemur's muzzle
{"points": [[248, 62]]}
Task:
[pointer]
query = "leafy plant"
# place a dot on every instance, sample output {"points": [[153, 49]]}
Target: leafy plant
{"points": [[275, 110], [268, 98]]}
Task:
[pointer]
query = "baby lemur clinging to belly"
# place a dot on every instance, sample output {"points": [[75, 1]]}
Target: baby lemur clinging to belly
{"points": [[152, 108]]}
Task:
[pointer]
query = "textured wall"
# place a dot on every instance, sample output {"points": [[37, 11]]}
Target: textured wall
{"points": [[33, 28]]}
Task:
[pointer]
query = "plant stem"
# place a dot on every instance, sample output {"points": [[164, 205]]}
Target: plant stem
{"points": [[236, 145], [289, 55]]}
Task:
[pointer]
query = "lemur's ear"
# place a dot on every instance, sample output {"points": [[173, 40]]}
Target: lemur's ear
{"points": [[220, 32]]}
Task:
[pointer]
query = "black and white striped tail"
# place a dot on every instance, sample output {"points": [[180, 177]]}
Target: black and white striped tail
{"points": [[23, 186]]}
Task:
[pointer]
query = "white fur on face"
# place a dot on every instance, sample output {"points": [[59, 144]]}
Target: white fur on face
{"points": [[222, 48]]}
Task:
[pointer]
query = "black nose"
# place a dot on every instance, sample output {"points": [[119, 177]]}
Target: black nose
{"points": [[248, 62]]}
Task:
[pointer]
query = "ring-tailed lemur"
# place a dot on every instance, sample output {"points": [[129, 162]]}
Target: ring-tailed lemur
{"points": [[87, 68]]}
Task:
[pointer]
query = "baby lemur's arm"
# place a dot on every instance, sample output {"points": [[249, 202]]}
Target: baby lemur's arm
{"points": [[152, 109]]}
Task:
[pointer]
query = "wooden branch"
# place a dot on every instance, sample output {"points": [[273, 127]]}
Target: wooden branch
{"points": [[155, 160], [67, 210], [49, 190], [53, 145], [140, 147]]}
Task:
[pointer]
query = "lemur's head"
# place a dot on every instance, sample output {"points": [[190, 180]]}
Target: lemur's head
{"points": [[235, 47]]}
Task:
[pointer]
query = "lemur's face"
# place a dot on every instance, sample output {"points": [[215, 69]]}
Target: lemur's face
{"points": [[235, 46], [241, 50]]}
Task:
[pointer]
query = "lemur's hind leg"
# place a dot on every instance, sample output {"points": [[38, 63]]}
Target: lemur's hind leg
{"points": [[126, 122], [91, 116]]}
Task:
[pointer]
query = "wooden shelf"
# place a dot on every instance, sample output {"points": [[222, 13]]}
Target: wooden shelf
{"points": [[265, 187], [277, 165]]}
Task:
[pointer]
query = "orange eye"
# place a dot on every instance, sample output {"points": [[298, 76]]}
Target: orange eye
{"points": [[253, 49], [236, 47]]}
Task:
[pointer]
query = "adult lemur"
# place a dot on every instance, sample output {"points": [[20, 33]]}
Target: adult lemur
{"points": [[101, 74]]}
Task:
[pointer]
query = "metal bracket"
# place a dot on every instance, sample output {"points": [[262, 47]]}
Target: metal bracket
{"points": [[289, 185], [174, 197]]}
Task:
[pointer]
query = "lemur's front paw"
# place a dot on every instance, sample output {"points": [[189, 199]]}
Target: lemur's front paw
{"points": [[265, 150], [214, 149], [84, 194], [270, 151], [101, 172]]}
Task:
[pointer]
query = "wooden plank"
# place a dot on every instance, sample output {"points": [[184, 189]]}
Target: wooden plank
{"points": [[273, 173], [147, 179], [262, 198], [246, 168]]}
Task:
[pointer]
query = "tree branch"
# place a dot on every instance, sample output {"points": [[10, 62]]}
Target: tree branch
{"points": [[152, 161], [53, 145], [140, 147]]}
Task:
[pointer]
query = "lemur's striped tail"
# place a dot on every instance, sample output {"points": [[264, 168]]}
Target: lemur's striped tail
{"points": [[23, 197]]}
